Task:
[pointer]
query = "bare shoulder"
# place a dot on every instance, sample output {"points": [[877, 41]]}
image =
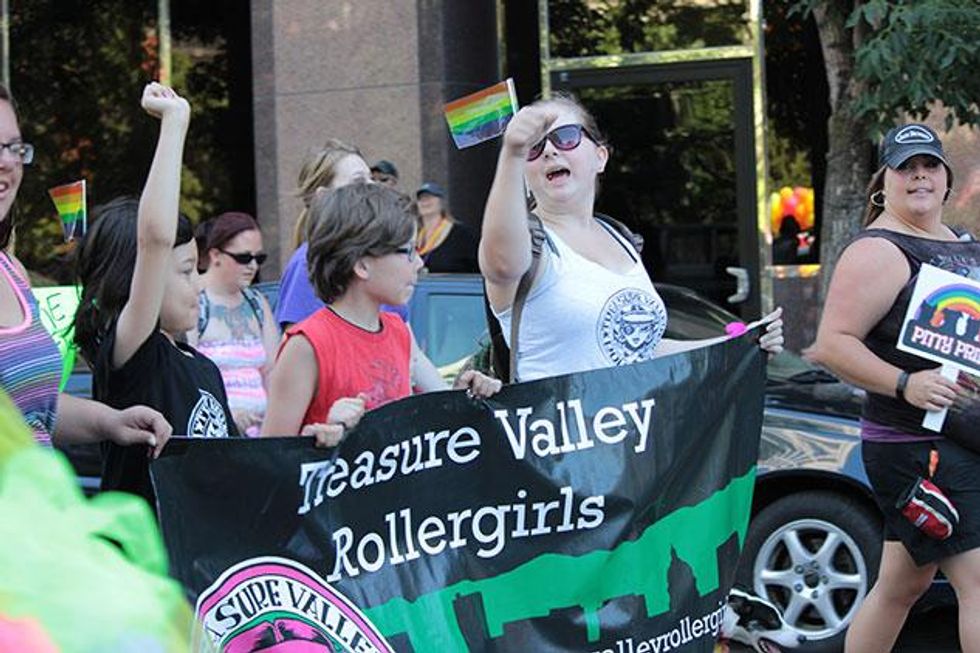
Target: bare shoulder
{"points": [[867, 279], [297, 349], [874, 258]]}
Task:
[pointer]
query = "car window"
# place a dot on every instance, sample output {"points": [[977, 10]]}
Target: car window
{"points": [[455, 324]]}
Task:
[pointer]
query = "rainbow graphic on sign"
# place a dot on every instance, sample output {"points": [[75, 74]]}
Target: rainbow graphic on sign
{"points": [[956, 298], [942, 322], [482, 115]]}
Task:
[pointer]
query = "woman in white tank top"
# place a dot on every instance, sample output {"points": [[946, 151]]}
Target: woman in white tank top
{"points": [[591, 304]]}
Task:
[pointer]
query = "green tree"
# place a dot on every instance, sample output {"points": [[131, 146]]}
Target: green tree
{"points": [[885, 59], [590, 27], [78, 68]]}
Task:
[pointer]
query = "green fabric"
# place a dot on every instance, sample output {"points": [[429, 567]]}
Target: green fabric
{"points": [[92, 572]]}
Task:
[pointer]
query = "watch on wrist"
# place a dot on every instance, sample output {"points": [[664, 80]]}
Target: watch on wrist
{"points": [[903, 381]]}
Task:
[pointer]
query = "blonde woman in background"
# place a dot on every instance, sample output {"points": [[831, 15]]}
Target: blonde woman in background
{"points": [[334, 165]]}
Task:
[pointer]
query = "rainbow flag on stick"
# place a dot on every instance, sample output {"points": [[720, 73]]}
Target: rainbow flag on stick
{"points": [[69, 200], [482, 115]]}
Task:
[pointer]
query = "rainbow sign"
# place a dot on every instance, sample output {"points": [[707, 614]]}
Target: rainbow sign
{"points": [[960, 298], [482, 115], [942, 322], [69, 200]]}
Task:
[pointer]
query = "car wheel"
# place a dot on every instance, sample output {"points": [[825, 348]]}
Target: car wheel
{"points": [[815, 555]]}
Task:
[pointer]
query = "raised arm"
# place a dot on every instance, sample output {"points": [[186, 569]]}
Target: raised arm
{"points": [[157, 225], [505, 243]]}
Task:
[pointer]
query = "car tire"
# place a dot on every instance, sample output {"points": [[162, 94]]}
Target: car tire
{"points": [[815, 555]]}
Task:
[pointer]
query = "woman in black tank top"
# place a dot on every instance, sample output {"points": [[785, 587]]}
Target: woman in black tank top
{"points": [[868, 297]]}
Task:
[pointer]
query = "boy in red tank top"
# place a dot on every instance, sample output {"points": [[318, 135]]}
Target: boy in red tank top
{"points": [[350, 356]]}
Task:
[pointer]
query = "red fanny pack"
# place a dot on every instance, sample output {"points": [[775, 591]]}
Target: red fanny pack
{"points": [[929, 509]]}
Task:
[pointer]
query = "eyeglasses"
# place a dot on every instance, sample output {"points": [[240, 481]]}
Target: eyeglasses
{"points": [[244, 258], [564, 138], [22, 152], [409, 251]]}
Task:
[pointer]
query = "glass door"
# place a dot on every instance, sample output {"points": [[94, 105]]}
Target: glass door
{"points": [[682, 170]]}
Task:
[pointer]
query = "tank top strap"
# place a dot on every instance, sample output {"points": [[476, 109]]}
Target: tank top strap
{"points": [[25, 298], [919, 250]]}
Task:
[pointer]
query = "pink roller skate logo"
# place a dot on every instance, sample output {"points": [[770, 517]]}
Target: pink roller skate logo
{"points": [[276, 605]]}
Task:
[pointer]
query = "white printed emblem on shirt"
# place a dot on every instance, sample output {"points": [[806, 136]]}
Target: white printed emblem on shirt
{"points": [[207, 420], [630, 326]]}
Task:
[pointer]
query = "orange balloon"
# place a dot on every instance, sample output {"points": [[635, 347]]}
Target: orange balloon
{"points": [[801, 214]]}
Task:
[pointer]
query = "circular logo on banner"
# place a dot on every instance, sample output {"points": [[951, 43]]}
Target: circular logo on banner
{"points": [[273, 604], [630, 326]]}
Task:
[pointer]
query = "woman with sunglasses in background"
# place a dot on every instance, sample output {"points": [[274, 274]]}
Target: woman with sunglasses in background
{"points": [[589, 274], [235, 326]]}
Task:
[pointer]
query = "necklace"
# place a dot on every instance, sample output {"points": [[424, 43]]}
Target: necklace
{"points": [[432, 239]]}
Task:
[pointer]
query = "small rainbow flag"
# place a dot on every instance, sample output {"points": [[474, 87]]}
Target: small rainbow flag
{"points": [[69, 200], [482, 115]]}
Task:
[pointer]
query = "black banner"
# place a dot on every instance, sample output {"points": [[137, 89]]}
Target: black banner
{"points": [[600, 512]]}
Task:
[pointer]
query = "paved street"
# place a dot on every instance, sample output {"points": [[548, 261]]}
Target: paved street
{"points": [[930, 632], [926, 632]]}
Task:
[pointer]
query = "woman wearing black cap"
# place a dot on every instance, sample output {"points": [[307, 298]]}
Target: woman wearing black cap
{"points": [[868, 297], [444, 244]]}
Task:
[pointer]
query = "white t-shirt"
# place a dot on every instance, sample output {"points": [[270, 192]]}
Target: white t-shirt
{"points": [[582, 316]]}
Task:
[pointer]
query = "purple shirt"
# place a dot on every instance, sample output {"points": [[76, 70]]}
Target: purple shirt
{"points": [[297, 301], [874, 432]]}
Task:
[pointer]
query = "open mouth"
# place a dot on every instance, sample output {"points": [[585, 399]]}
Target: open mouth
{"points": [[557, 173]]}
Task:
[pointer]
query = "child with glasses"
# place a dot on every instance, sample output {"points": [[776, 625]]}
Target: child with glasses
{"points": [[138, 271], [235, 326], [351, 356]]}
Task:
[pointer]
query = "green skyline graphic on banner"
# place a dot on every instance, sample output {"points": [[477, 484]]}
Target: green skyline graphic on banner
{"points": [[553, 582]]}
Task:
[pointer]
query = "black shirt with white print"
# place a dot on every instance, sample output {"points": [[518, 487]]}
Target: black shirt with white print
{"points": [[175, 379]]}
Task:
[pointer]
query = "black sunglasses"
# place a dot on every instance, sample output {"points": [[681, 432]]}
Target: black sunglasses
{"points": [[244, 258], [564, 138]]}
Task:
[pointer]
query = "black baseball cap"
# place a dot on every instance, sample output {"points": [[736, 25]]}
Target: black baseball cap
{"points": [[432, 188], [386, 168], [905, 141]]}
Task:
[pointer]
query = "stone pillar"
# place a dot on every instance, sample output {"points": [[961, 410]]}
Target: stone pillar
{"points": [[374, 73], [458, 55]]}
